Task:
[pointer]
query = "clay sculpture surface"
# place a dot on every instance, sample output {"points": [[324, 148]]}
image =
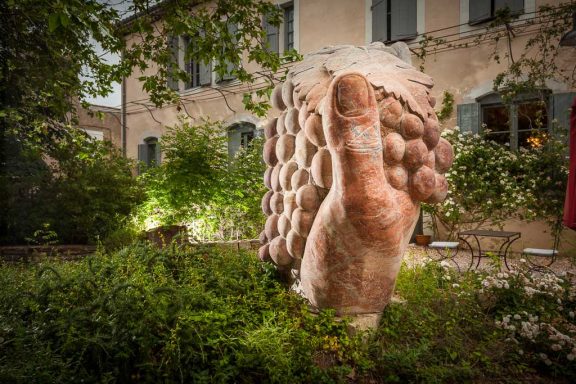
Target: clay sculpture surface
{"points": [[354, 151]]}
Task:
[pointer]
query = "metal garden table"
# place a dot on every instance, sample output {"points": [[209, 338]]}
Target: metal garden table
{"points": [[507, 239]]}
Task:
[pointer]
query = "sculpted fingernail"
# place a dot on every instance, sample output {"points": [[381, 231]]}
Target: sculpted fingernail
{"points": [[352, 96]]}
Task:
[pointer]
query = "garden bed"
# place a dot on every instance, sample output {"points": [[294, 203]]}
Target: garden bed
{"points": [[204, 314]]}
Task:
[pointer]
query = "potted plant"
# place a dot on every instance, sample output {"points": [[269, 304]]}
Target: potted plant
{"points": [[423, 240]]}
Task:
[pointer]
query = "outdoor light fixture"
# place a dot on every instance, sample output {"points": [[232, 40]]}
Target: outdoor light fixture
{"points": [[569, 39]]}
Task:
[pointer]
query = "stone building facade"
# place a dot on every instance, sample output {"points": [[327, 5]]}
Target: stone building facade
{"points": [[467, 73]]}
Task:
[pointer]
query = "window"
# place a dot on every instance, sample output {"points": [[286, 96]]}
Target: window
{"points": [[230, 66], [286, 30], [173, 44], [484, 10], [191, 66], [393, 20], [97, 135], [518, 125], [239, 136], [197, 72], [149, 153]]}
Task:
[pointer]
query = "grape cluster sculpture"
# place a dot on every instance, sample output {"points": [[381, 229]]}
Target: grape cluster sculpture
{"points": [[355, 150]]}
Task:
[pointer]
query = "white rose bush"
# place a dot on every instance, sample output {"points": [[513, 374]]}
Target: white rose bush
{"points": [[489, 183]]}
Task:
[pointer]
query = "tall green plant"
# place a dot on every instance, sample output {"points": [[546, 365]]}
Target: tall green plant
{"points": [[198, 185]]}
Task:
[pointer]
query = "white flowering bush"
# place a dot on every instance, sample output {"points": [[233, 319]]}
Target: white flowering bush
{"points": [[489, 184], [536, 312]]}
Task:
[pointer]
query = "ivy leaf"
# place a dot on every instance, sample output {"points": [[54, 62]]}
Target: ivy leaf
{"points": [[53, 21], [64, 20]]}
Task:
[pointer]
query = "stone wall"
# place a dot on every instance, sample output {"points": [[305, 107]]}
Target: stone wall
{"points": [[36, 253]]}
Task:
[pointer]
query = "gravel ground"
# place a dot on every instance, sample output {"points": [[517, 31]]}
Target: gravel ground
{"points": [[417, 254]]}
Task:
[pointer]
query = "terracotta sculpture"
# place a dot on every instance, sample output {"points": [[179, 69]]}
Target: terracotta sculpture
{"points": [[356, 148]]}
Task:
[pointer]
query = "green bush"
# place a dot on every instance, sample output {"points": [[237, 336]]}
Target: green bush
{"points": [[171, 315], [79, 187], [198, 185], [206, 315]]}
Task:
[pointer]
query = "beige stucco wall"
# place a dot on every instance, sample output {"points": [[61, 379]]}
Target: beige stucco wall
{"points": [[467, 73], [109, 124]]}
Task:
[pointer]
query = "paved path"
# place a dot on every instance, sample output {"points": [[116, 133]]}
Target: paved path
{"points": [[417, 254]]}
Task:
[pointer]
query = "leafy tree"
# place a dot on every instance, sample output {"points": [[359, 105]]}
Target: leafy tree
{"points": [[198, 185], [81, 193], [51, 60], [46, 44]]}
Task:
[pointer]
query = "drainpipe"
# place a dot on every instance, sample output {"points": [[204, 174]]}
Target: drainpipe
{"points": [[123, 115]]}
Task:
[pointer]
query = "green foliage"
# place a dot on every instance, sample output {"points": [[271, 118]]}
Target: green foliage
{"points": [[545, 169], [447, 107], [80, 190], [149, 315], [197, 184], [52, 61], [47, 45], [489, 184], [43, 236], [540, 61], [207, 315]]}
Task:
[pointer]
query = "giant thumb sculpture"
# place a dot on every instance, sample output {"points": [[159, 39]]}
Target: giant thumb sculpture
{"points": [[354, 152]]}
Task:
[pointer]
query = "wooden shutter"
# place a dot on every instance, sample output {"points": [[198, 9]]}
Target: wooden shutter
{"points": [[205, 73], [157, 154], [403, 20], [172, 79], [188, 62], [379, 20], [561, 105], [234, 141], [516, 6], [205, 69], [142, 157], [469, 117], [479, 11], [272, 36]]}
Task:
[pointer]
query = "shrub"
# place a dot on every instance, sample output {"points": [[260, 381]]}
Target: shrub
{"points": [[80, 188], [171, 315], [198, 185], [489, 184], [206, 315]]}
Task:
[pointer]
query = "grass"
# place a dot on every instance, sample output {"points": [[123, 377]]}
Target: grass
{"points": [[204, 315]]}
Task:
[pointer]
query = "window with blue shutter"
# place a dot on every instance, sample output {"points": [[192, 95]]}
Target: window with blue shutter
{"points": [[288, 27], [485, 10], [272, 36], [149, 154], [468, 117], [561, 104], [522, 123], [191, 65], [394, 20], [229, 74]]}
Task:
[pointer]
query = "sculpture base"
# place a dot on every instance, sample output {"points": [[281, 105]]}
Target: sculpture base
{"points": [[364, 322]]}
